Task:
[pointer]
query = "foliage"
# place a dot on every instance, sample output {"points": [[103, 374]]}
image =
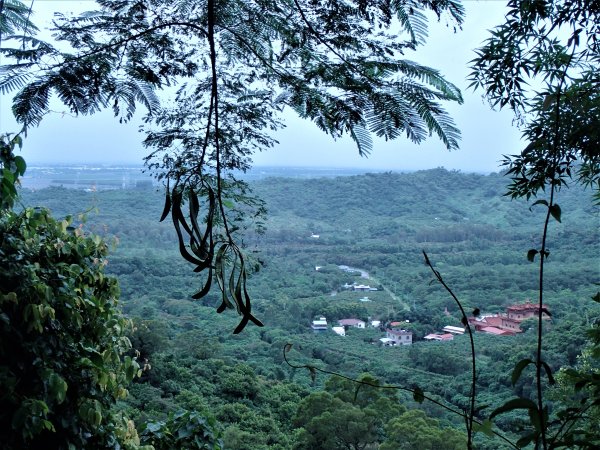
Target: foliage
{"points": [[345, 416], [554, 47], [62, 339], [184, 430], [413, 429], [237, 65], [355, 416], [191, 359], [553, 44], [14, 17], [579, 391], [12, 167]]}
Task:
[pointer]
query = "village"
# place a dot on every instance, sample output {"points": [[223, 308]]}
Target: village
{"points": [[498, 324]]}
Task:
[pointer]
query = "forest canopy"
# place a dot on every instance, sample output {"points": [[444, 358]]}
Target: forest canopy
{"points": [[234, 67]]}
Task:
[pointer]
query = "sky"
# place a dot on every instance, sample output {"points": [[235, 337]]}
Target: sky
{"points": [[486, 134]]}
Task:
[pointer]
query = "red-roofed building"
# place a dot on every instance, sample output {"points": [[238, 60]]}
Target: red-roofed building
{"points": [[439, 337], [510, 323], [526, 311], [497, 331]]}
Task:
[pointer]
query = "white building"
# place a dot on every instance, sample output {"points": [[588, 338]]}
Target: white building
{"points": [[319, 324]]}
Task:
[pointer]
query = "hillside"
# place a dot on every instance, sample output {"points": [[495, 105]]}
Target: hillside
{"points": [[379, 223]]}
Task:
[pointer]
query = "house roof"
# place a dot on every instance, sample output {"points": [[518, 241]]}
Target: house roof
{"points": [[439, 337], [497, 331], [396, 324], [527, 306], [350, 322], [455, 330]]}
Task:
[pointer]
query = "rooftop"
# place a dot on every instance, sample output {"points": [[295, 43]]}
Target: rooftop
{"points": [[497, 331], [527, 306], [350, 322]]}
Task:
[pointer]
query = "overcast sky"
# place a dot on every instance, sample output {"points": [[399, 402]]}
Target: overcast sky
{"points": [[486, 135]]}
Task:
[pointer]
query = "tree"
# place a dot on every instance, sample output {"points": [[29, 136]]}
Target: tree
{"points": [[345, 416], [185, 430], [14, 17], [62, 338], [554, 45], [237, 65], [413, 429], [326, 422]]}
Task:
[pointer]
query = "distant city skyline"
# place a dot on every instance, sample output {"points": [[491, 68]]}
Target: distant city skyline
{"points": [[486, 135]]}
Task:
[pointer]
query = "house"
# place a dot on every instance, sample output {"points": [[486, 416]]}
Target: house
{"points": [[361, 287], [399, 337], [314, 236], [341, 331], [375, 323], [319, 324], [439, 337], [453, 330], [509, 323], [525, 311], [356, 323]]}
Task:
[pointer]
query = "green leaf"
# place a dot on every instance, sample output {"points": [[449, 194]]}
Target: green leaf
{"points": [[485, 427], [58, 387], [8, 176], [519, 369], [531, 254], [548, 370], [21, 165], [535, 420], [525, 440], [555, 212], [511, 405], [538, 202], [418, 395]]}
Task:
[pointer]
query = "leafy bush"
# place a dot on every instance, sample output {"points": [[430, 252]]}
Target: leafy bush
{"points": [[62, 338], [184, 430]]}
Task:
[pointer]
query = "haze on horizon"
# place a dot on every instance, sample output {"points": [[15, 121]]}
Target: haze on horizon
{"points": [[486, 134]]}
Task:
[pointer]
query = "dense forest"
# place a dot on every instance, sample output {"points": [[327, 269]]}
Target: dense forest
{"points": [[378, 223], [467, 304]]}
